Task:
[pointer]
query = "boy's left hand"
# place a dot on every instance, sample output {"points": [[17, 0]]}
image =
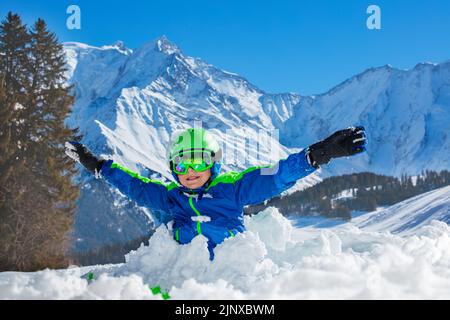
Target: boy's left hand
{"points": [[342, 143]]}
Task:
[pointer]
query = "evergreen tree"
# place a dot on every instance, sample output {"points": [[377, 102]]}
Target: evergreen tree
{"points": [[14, 60], [42, 216]]}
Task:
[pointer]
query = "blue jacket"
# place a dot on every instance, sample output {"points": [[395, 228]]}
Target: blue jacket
{"points": [[215, 210]]}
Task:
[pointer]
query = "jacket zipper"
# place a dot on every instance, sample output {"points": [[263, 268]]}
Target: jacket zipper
{"points": [[199, 229]]}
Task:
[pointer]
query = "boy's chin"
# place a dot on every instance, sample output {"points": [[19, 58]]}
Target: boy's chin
{"points": [[194, 185]]}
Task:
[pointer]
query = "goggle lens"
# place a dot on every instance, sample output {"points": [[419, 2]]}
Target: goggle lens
{"points": [[182, 164]]}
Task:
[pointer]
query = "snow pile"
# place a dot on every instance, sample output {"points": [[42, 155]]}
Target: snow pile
{"points": [[68, 284], [272, 260]]}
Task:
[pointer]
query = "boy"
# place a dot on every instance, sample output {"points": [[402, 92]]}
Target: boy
{"points": [[204, 202]]}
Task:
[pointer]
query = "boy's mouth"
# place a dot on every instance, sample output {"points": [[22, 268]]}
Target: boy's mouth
{"points": [[193, 178]]}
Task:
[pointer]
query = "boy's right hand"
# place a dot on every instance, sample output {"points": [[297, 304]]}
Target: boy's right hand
{"points": [[81, 154]]}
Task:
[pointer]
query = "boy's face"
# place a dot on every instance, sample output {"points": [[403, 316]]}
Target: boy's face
{"points": [[193, 179]]}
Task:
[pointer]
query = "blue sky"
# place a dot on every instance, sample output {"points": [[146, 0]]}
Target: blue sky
{"points": [[297, 46]]}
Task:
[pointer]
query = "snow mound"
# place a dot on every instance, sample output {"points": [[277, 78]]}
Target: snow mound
{"points": [[268, 261]]}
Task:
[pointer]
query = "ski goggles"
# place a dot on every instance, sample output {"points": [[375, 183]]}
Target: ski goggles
{"points": [[197, 161]]}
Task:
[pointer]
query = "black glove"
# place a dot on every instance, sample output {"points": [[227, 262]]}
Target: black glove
{"points": [[342, 143], [81, 154]]}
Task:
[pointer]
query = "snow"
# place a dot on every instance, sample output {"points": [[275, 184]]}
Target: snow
{"points": [[341, 261], [68, 285], [346, 194]]}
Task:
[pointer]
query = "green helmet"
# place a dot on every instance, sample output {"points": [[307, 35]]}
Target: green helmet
{"points": [[195, 140]]}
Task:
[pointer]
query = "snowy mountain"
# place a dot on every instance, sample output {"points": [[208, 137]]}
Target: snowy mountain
{"points": [[130, 102], [406, 114], [348, 261]]}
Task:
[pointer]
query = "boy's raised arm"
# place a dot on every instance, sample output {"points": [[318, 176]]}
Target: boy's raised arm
{"points": [[144, 191], [257, 184]]}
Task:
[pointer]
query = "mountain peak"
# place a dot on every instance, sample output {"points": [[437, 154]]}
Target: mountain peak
{"points": [[163, 44], [120, 46]]}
